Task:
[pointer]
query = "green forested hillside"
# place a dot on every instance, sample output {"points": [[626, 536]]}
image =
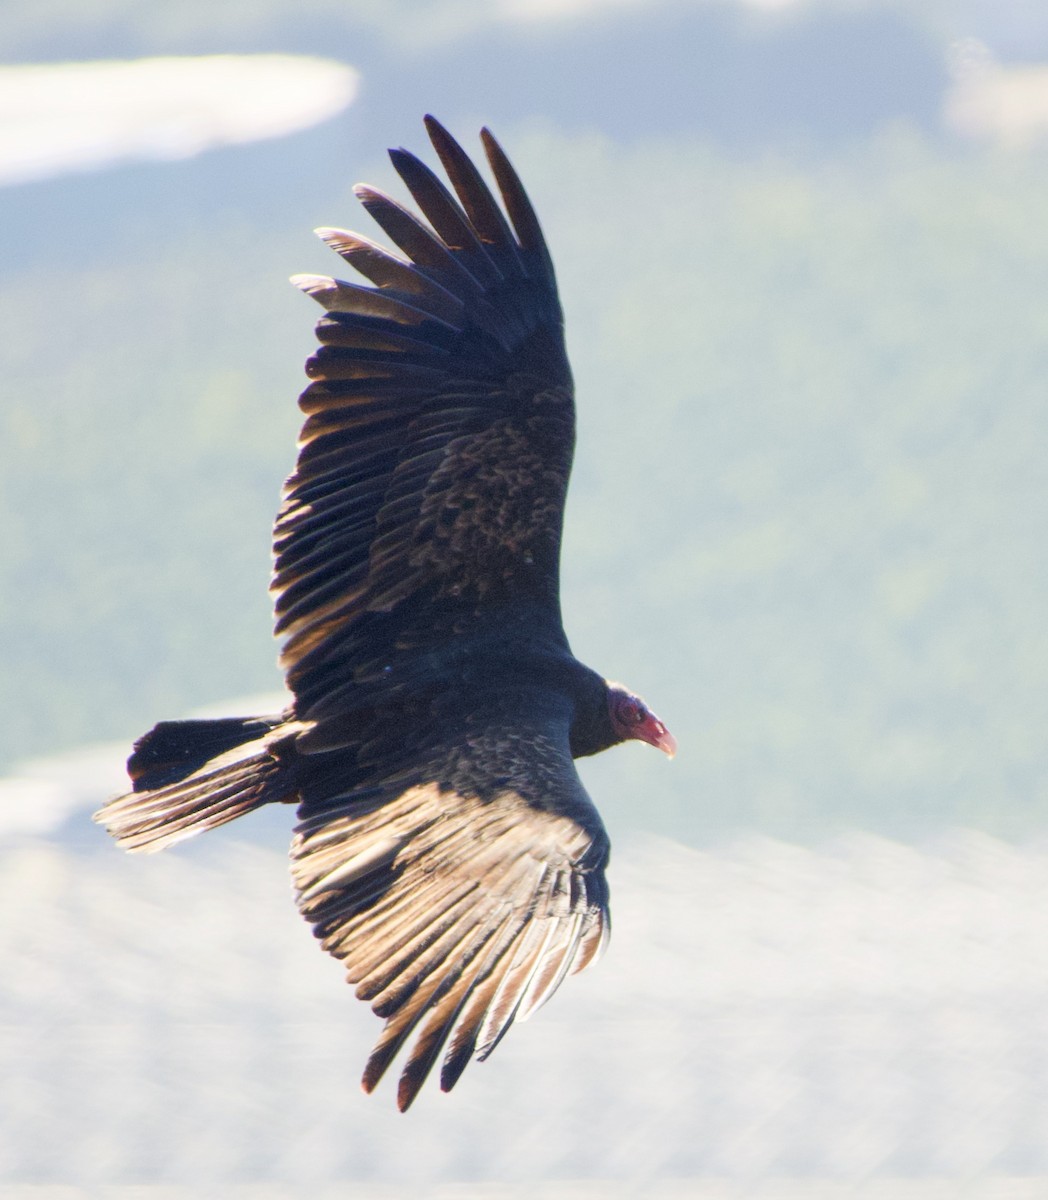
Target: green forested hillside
{"points": [[833, 384], [809, 506]]}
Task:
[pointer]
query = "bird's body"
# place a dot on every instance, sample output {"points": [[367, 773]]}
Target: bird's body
{"points": [[446, 850]]}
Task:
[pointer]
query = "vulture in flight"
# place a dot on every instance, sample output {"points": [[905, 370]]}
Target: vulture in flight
{"points": [[446, 851]]}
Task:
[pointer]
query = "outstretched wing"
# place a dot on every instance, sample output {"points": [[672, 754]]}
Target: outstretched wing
{"points": [[458, 893], [428, 495]]}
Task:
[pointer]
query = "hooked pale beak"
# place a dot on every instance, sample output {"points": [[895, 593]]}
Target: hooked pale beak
{"points": [[652, 731]]}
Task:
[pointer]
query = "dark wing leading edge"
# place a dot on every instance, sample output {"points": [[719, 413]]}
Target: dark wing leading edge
{"points": [[429, 489], [459, 906]]}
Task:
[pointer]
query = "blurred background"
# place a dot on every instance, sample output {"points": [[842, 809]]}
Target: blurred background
{"points": [[803, 254]]}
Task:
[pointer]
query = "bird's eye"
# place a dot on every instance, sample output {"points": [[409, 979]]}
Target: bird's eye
{"points": [[631, 711]]}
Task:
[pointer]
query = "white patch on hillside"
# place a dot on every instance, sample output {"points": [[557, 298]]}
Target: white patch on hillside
{"points": [[63, 117], [991, 102]]}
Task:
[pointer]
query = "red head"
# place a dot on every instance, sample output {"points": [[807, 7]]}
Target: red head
{"points": [[631, 718]]}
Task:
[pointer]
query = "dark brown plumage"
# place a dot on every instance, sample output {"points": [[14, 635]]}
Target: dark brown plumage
{"points": [[446, 850]]}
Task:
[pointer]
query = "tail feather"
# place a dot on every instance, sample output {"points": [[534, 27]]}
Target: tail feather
{"points": [[194, 775], [174, 749]]}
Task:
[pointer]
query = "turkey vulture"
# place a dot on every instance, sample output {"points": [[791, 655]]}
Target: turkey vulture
{"points": [[446, 851]]}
